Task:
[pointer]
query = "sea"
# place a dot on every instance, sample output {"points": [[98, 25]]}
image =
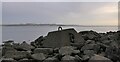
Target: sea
{"points": [[30, 33]]}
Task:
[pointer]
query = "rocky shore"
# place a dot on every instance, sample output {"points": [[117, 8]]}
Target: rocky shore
{"points": [[65, 45]]}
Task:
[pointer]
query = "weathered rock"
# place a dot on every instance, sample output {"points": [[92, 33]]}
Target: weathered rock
{"points": [[98, 58], [78, 59], [67, 50], [68, 58], [56, 50], [43, 50], [89, 52], [62, 38], [107, 42], [92, 35], [8, 60], [16, 54], [113, 53], [76, 52], [6, 49], [26, 46], [38, 42], [94, 47], [27, 60], [8, 43], [90, 42], [85, 57], [51, 59], [23, 46], [39, 56]]}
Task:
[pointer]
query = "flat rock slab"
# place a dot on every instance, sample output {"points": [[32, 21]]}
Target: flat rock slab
{"points": [[16, 54], [67, 50], [8, 60], [39, 56], [94, 47], [98, 58], [51, 59], [29, 60], [43, 50]]}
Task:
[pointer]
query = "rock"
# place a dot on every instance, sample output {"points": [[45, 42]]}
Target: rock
{"points": [[43, 50], [38, 42], [68, 58], [92, 35], [26, 46], [78, 59], [57, 39], [67, 50], [16, 54], [99, 59], [90, 42], [6, 49], [39, 56], [76, 52], [23, 46], [7, 45], [85, 57], [27, 60], [56, 50], [102, 54], [51, 59], [94, 47], [113, 53], [89, 52], [9, 41], [107, 42], [8, 60]]}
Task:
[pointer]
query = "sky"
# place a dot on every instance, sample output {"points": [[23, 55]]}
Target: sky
{"points": [[80, 13]]}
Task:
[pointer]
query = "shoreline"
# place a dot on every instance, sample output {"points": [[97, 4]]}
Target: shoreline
{"points": [[81, 46]]}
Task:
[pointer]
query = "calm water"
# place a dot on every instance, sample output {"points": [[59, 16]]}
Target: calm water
{"points": [[30, 33]]}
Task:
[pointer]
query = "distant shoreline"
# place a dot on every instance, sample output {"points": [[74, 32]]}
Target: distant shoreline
{"points": [[58, 25]]}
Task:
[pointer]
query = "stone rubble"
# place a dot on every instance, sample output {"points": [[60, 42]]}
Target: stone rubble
{"points": [[93, 47]]}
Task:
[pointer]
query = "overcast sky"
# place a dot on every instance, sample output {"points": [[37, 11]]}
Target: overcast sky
{"points": [[82, 13]]}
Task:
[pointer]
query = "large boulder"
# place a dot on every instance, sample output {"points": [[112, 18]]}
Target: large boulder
{"points": [[17, 54], [98, 58], [67, 50], [94, 47], [26, 46], [6, 49], [113, 53], [92, 35], [57, 39], [68, 58], [85, 57], [38, 42], [89, 52], [43, 50], [39, 56]]}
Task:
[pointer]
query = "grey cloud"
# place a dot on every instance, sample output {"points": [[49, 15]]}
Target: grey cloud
{"points": [[51, 12]]}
